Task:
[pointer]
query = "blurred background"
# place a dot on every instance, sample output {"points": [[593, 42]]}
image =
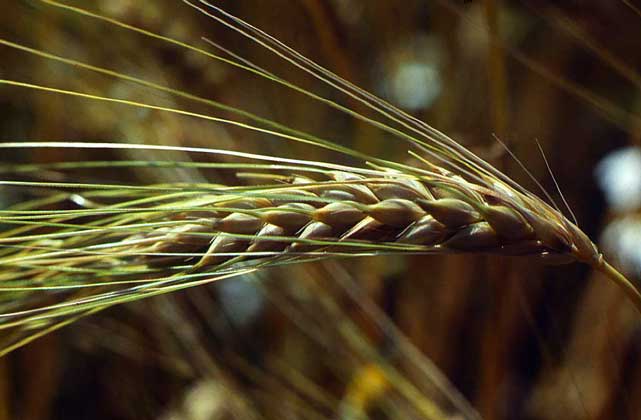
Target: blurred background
{"points": [[362, 338]]}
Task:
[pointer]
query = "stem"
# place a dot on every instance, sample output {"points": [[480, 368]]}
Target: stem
{"points": [[630, 290]]}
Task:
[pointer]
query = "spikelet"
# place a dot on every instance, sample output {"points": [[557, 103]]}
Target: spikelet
{"points": [[403, 211]]}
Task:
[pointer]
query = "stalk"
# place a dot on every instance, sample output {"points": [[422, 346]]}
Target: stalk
{"points": [[626, 285]]}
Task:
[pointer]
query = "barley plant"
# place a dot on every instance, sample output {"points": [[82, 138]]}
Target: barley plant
{"points": [[152, 148]]}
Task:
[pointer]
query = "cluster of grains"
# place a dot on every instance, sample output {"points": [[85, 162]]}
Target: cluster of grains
{"points": [[441, 214]]}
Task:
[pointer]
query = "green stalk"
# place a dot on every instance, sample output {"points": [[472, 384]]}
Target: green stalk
{"points": [[626, 285]]}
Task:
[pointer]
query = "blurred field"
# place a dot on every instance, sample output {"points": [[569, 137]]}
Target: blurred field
{"points": [[348, 339]]}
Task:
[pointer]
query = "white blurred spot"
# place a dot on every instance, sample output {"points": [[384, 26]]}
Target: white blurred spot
{"points": [[242, 300], [79, 200], [411, 76], [415, 85], [203, 401], [622, 238], [619, 175]]}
